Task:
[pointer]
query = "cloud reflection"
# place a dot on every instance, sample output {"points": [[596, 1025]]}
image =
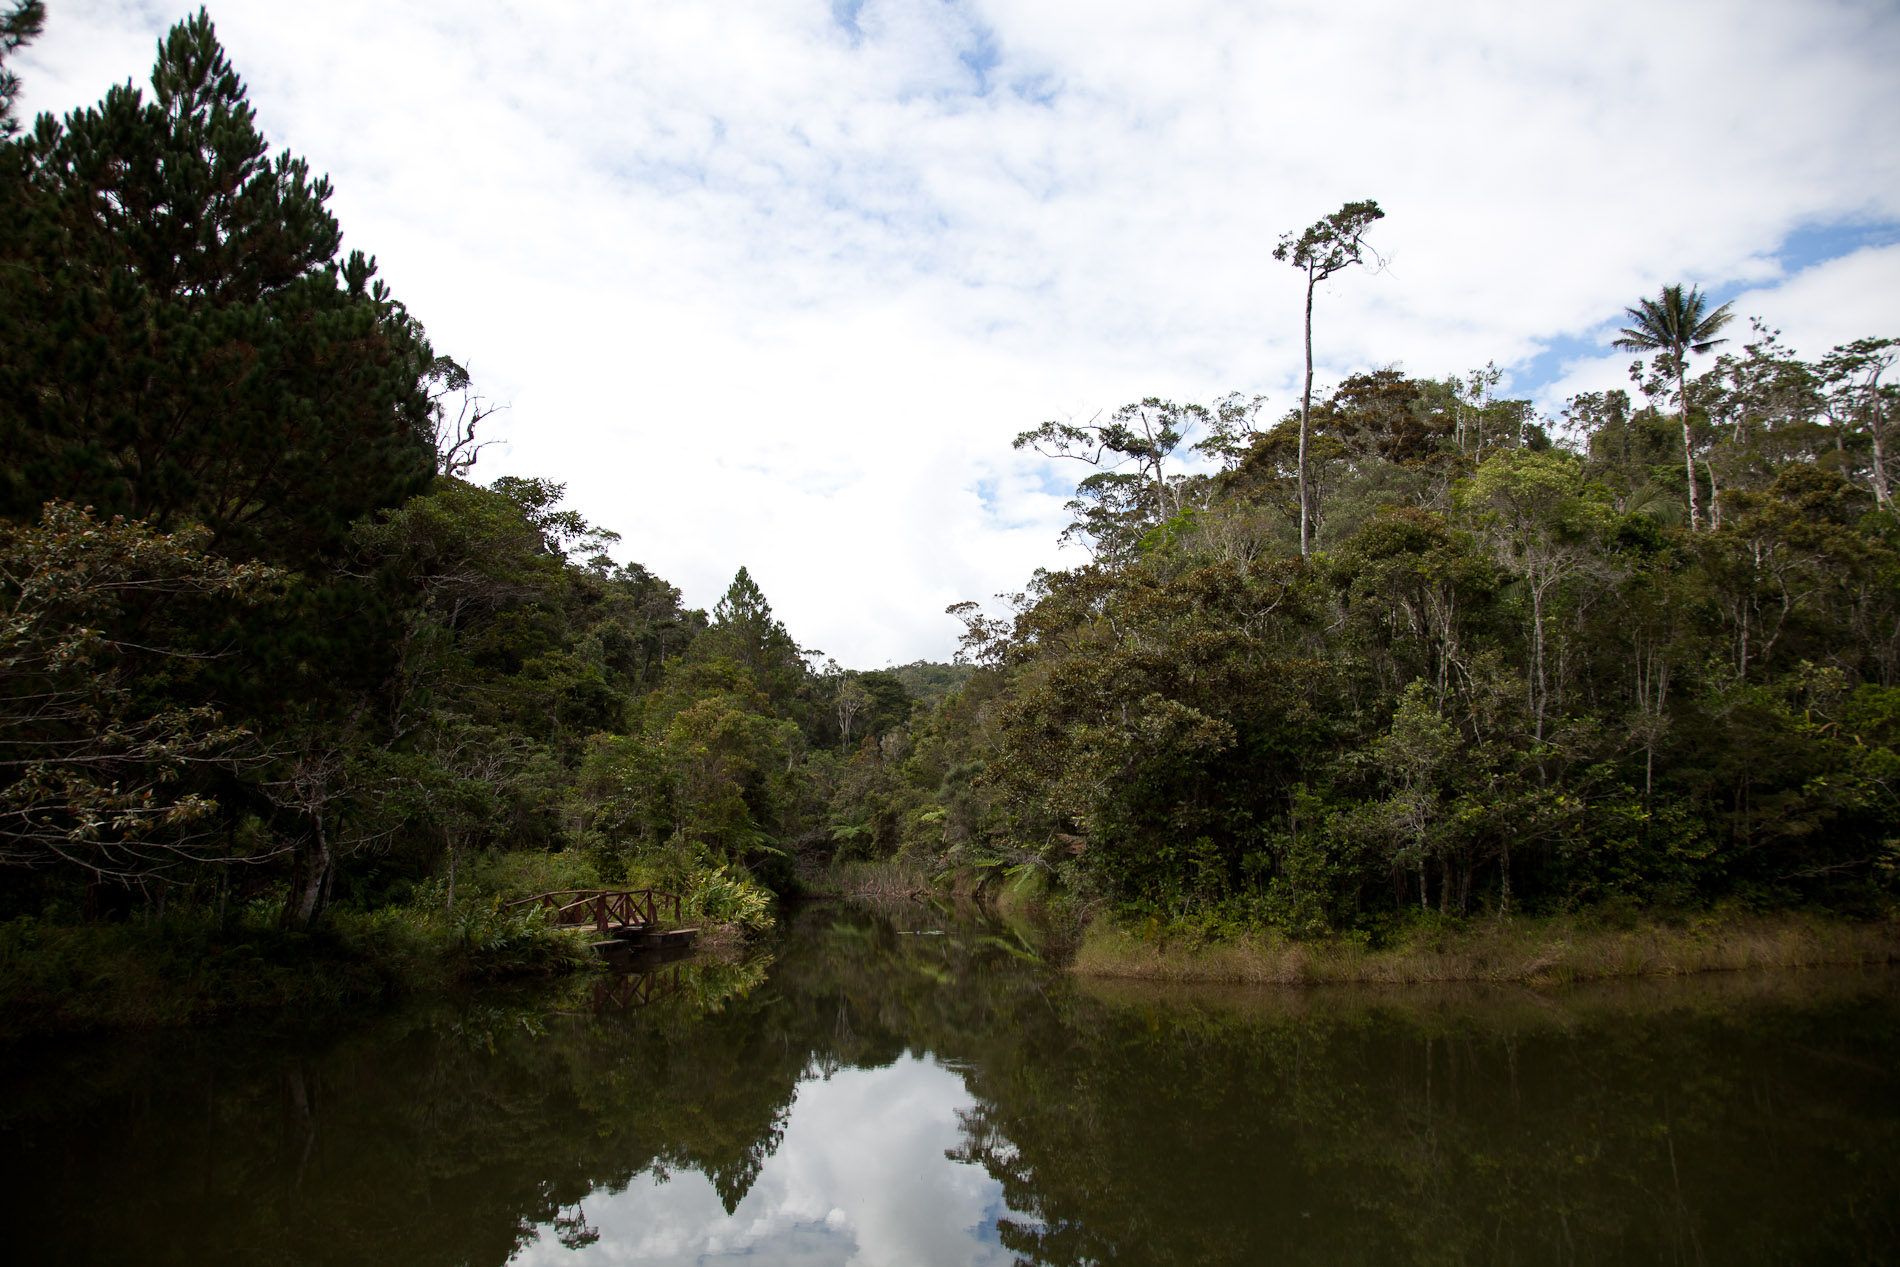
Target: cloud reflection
{"points": [[860, 1177]]}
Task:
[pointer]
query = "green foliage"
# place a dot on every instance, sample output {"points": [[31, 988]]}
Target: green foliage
{"points": [[21, 25], [426, 697], [180, 340], [717, 896], [924, 680], [1520, 678], [1401, 656], [102, 731], [191, 966]]}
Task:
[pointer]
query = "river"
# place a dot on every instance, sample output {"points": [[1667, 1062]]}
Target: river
{"points": [[915, 1086]]}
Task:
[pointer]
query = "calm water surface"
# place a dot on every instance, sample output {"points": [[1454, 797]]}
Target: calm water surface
{"points": [[918, 1088]]}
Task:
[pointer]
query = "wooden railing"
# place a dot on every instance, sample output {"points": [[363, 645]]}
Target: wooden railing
{"points": [[605, 909]]}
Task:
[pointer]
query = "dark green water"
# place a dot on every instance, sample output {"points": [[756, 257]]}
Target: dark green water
{"points": [[923, 1090]]}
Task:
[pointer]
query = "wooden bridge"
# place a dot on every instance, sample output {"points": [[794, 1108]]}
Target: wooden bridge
{"points": [[623, 917]]}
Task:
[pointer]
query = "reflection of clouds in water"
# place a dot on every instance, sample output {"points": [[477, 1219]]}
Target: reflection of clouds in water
{"points": [[860, 1177]]}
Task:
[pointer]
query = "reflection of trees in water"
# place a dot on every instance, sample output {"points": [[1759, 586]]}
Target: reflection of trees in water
{"points": [[573, 1230], [1157, 1132], [443, 1138], [1140, 1127], [450, 1136]]}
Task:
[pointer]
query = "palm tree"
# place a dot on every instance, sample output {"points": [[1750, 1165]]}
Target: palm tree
{"points": [[1676, 325]]}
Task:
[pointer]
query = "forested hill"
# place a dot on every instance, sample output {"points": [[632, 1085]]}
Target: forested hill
{"points": [[267, 640], [270, 646]]}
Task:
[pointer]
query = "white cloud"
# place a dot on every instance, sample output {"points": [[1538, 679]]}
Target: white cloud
{"points": [[1834, 302], [767, 290], [859, 1177]]}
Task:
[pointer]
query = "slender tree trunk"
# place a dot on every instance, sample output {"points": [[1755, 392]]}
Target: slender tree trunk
{"points": [[1688, 446], [1538, 691], [1162, 511], [1883, 491], [310, 884], [1306, 409]]}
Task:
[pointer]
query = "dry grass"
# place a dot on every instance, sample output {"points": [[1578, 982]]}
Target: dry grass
{"points": [[1536, 952]]}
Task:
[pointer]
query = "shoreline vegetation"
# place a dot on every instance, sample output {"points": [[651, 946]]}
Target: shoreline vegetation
{"points": [[59, 978], [63, 979], [196, 965], [1548, 951], [294, 707]]}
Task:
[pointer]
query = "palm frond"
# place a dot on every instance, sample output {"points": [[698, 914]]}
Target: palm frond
{"points": [[1674, 321], [1658, 503]]}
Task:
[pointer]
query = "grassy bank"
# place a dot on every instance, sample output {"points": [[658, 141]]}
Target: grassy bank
{"points": [[1548, 951]]}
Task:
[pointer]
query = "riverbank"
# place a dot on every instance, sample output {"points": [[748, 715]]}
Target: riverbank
{"points": [[65, 978], [1549, 951], [195, 964]]}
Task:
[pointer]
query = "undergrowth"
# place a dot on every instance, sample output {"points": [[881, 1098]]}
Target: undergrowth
{"points": [[57, 974], [1538, 950]]}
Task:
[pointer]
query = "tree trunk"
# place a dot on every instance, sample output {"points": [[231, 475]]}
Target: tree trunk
{"points": [[1688, 444], [310, 881], [1306, 409], [1537, 660], [1883, 491]]}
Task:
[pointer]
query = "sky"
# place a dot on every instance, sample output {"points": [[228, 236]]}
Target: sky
{"points": [[775, 283]]}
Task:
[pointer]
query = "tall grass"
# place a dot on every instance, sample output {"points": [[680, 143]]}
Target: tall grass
{"points": [[1535, 951]]}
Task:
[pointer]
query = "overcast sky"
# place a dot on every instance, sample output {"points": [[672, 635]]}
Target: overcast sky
{"points": [[776, 283]]}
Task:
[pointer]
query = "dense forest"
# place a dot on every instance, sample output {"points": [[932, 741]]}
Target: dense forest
{"points": [[271, 653], [267, 642]]}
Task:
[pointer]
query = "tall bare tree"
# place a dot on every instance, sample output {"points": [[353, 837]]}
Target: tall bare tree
{"points": [[1852, 373], [1326, 247]]}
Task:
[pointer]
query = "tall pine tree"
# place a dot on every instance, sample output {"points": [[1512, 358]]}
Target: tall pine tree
{"points": [[182, 342], [179, 339]]}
